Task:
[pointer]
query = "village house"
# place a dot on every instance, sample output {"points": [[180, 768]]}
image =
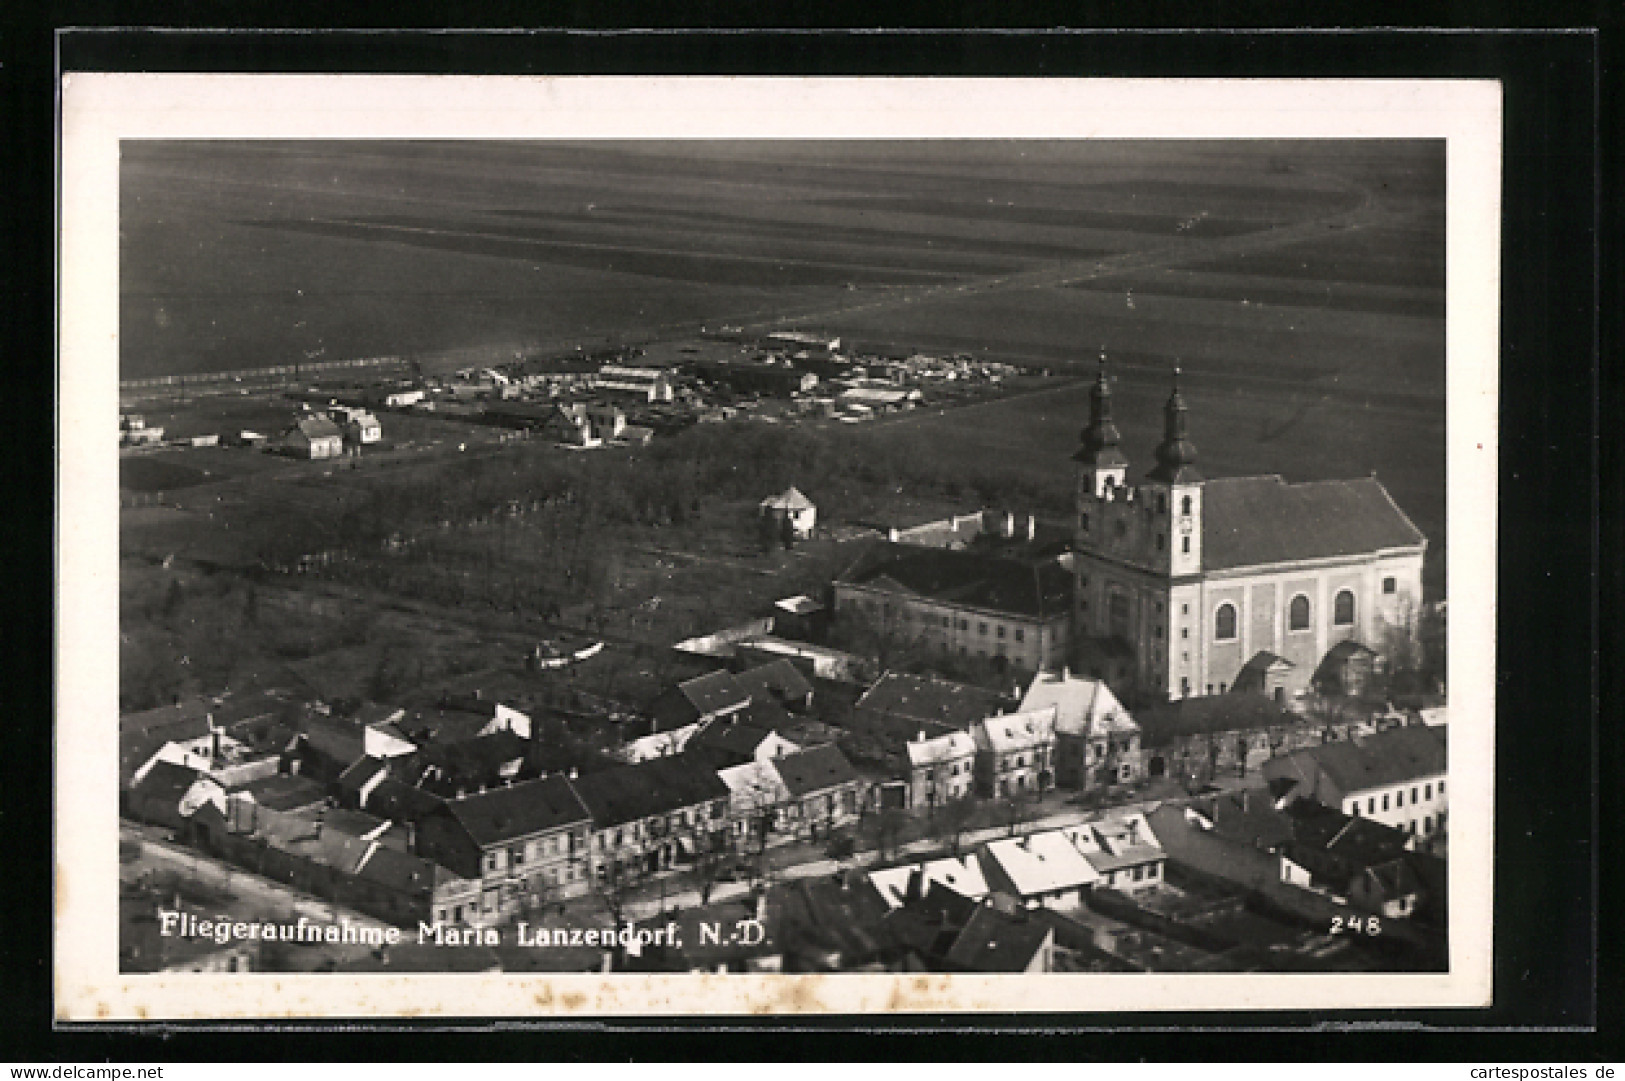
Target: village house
{"points": [[905, 702], [941, 768], [756, 794], [792, 507], [1124, 851], [360, 427], [135, 432], [1041, 870], [525, 844], [741, 737], [645, 384], [1014, 753], [999, 942], [826, 793], [694, 701], [1096, 741], [313, 436], [899, 885], [647, 816], [1396, 777], [1013, 612], [779, 681], [568, 425]]}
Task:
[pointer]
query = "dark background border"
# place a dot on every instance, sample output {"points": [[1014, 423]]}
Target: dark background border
{"points": [[1550, 761]]}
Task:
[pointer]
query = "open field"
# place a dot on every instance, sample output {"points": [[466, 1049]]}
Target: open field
{"points": [[251, 254], [1299, 286]]}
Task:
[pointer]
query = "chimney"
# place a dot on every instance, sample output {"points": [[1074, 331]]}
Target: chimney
{"points": [[1009, 524], [761, 906], [1066, 672], [412, 837], [921, 737], [574, 773], [1032, 527], [891, 534]]}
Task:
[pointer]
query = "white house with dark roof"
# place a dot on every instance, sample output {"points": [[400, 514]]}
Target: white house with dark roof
{"points": [[1396, 777], [1015, 752], [941, 769], [792, 506], [1186, 585]]}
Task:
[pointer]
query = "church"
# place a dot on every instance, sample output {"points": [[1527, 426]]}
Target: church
{"points": [[1187, 586]]}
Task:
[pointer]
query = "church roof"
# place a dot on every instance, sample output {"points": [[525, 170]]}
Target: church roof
{"points": [[970, 579], [1248, 521]]}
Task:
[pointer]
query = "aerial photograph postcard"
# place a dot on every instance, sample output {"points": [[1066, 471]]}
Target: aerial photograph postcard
{"points": [[867, 559]]}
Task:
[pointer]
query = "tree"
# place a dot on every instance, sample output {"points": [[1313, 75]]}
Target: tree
{"points": [[951, 821], [886, 829]]}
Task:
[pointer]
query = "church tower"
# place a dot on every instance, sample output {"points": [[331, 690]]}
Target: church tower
{"points": [[1101, 465], [1176, 485]]}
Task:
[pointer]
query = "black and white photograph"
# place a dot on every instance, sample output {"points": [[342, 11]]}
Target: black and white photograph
{"points": [[866, 553]]}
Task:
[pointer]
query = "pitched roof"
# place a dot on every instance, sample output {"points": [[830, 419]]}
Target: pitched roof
{"points": [[789, 499], [358, 773], [657, 786], [338, 741], [1039, 863], [994, 942], [142, 734], [971, 579], [815, 770], [927, 698], [778, 679], [1247, 815], [1083, 707], [285, 791], [399, 870], [503, 814], [737, 740], [713, 691], [167, 782], [949, 747], [1248, 521], [401, 801], [1014, 731], [1385, 758], [318, 426], [754, 785], [963, 877]]}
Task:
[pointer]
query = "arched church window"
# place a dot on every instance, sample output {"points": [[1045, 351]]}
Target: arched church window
{"points": [[1343, 609], [1297, 617], [1185, 506], [1224, 623]]}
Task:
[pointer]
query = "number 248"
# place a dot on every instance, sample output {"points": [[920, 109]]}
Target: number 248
{"points": [[1356, 925]]}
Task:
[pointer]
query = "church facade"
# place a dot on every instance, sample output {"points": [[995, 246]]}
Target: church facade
{"points": [[1187, 586]]}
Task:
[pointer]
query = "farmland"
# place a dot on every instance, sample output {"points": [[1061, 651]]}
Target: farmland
{"points": [[1299, 286]]}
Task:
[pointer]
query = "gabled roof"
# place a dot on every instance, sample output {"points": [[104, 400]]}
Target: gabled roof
{"points": [[400, 801], [472, 760], [927, 698], [1039, 863], [897, 885], [777, 679], [142, 734], [1249, 521], [285, 791], [1248, 816], [1083, 707], [1014, 731], [994, 942], [815, 770], [994, 583], [754, 785], [713, 692], [358, 773], [399, 870], [336, 740], [950, 747], [318, 426], [1264, 661], [657, 786], [166, 782], [789, 499], [503, 814], [1376, 761]]}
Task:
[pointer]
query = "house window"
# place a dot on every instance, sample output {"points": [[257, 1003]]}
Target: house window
{"points": [[1441, 788], [491, 859], [1343, 609], [1353, 808], [1159, 632], [1224, 623], [1385, 801], [1399, 798], [1020, 634], [1427, 791], [981, 628], [1184, 609], [1185, 545], [1185, 506], [1388, 585], [1413, 796], [1001, 630], [1185, 686], [1371, 806], [1297, 613], [1184, 632]]}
